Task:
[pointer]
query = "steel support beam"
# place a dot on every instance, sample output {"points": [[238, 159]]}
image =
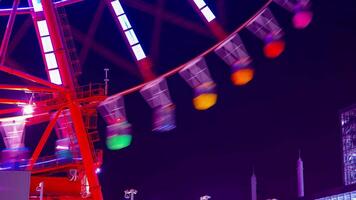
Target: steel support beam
{"points": [[27, 10], [26, 88], [30, 77], [43, 140], [13, 101], [8, 31], [58, 44]]}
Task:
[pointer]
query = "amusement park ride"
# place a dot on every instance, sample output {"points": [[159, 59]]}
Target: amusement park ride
{"points": [[71, 110]]}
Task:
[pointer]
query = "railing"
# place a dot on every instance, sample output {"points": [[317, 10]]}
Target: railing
{"points": [[48, 162], [96, 89]]}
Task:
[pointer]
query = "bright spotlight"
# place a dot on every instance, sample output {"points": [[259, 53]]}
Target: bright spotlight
{"points": [[98, 170], [28, 109]]}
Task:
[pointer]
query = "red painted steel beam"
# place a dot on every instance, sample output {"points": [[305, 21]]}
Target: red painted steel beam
{"points": [[169, 17], [86, 151], [13, 101], [79, 127], [8, 31], [30, 77], [60, 187], [27, 10], [58, 44], [10, 110], [157, 27], [26, 88], [43, 140]]}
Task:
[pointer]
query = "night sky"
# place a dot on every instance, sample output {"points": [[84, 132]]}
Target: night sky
{"points": [[292, 103]]}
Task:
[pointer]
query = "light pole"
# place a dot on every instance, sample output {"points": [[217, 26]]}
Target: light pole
{"points": [[39, 189], [130, 194], [106, 80], [205, 197]]}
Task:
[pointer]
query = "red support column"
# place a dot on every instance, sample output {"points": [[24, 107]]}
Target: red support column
{"points": [[58, 45], [87, 154], [29, 77], [68, 81], [10, 25], [43, 140]]}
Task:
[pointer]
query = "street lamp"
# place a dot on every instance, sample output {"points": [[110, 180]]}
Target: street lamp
{"points": [[130, 194], [205, 197]]}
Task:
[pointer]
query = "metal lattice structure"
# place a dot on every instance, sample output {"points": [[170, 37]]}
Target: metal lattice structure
{"points": [[70, 110], [348, 129]]}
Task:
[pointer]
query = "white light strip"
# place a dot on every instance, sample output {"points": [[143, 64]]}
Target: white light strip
{"points": [[124, 21], [205, 10], [117, 7], [128, 30], [51, 61], [200, 3], [55, 76], [208, 14], [138, 51], [37, 6], [131, 37], [47, 44], [43, 28]]}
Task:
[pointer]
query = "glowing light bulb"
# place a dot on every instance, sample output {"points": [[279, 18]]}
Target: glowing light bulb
{"points": [[28, 109], [118, 136], [205, 96], [118, 142], [302, 19], [242, 74], [98, 170], [274, 48]]}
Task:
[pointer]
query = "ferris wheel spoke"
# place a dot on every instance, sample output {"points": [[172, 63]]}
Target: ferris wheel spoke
{"points": [[8, 31], [20, 34], [106, 53], [155, 41], [169, 17], [29, 77], [26, 88], [91, 33], [221, 11], [209, 18]]}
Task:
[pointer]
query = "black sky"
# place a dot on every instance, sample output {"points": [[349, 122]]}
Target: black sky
{"points": [[292, 104]]}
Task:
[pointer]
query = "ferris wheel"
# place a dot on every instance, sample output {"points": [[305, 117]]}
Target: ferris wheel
{"points": [[70, 110]]}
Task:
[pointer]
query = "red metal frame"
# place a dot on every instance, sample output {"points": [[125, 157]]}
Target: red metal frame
{"points": [[27, 10], [43, 140], [13, 101], [30, 78], [26, 88], [66, 96], [63, 64], [10, 25]]}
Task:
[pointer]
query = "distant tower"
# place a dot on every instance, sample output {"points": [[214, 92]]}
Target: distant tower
{"points": [[300, 176], [348, 129], [253, 186]]}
